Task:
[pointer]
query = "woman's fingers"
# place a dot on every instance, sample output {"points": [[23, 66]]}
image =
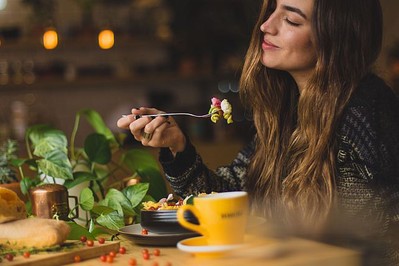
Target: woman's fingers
{"points": [[136, 113], [160, 131], [152, 133]]}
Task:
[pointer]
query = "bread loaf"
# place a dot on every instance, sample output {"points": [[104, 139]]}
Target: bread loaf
{"points": [[33, 232], [11, 206]]}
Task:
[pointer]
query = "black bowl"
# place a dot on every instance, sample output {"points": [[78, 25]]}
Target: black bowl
{"points": [[165, 221]]}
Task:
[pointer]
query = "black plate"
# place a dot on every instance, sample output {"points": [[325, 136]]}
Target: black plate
{"points": [[133, 232], [165, 221]]}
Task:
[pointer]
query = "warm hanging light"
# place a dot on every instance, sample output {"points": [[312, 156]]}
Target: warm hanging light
{"points": [[50, 39], [106, 39], [3, 4]]}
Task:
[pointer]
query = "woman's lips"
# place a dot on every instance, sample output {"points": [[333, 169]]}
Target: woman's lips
{"points": [[266, 45]]}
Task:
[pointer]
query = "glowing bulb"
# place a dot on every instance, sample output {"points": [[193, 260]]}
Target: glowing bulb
{"points": [[106, 39], [3, 4], [50, 39]]}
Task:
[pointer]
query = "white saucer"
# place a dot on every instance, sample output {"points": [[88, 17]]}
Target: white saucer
{"points": [[199, 247]]}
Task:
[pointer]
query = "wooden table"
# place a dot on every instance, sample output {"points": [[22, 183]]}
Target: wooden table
{"points": [[271, 252]]}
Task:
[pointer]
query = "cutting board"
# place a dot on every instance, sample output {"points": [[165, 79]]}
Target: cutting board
{"points": [[67, 256]]}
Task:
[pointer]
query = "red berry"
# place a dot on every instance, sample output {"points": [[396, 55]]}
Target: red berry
{"points": [[26, 254], [146, 256], [110, 259], [9, 257], [103, 258], [157, 252], [132, 262], [83, 239], [144, 250], [144, 231], [90, 243], [77, 258], [101, 240], [122, 250], [112, 254]]}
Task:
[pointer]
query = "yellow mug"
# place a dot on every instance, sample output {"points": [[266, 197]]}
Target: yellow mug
{"points": [[222, 217]]}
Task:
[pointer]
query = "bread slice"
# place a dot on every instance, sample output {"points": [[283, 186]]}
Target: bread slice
{"points": [[11, 206], [33, 232]]}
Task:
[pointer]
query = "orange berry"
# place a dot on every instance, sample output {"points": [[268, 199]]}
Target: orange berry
{"points": [[132, 262], [157, 252]]}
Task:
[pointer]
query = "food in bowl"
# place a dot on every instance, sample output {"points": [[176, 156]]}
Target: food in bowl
{"points": [[160, 217]]}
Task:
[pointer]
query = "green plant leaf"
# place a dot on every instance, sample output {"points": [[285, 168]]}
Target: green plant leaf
{"points": [[77, 231], [91, 225], [97, 148], [56, 164], [96, 121], [18, 162], [113, 220], [102, 210], [78, 178], [86, 199], [139, 159], [99, 231], [136, 193], [37, 132], [26, 184], [157, 183], [49, 143], [115, 195], [115, 204]]}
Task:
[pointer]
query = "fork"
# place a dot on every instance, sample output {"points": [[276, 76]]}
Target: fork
{"points": [[174, 114]]}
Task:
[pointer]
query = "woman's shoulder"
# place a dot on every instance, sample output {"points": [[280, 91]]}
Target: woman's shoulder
{"points": [[373, 104], [373, 92], [369, 128]]}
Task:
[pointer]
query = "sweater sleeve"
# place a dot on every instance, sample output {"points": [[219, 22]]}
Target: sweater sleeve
{"points": [[187, 173], [367, 171]]}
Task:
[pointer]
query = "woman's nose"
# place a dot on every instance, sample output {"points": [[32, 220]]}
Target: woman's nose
{"points": [[269, 26]]}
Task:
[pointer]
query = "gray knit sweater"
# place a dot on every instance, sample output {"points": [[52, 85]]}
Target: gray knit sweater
{"points": [[367, 181]]}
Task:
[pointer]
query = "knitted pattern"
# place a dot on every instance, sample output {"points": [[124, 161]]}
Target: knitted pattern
{"points": [[367, 181]]}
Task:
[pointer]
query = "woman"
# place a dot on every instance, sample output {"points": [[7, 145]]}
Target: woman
{"points": [[326, 147]]}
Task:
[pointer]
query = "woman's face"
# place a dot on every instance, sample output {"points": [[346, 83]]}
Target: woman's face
{"points": [[287, 38]]}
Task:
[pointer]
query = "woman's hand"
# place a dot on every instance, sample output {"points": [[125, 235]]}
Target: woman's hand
{"points": [[156, 132]]}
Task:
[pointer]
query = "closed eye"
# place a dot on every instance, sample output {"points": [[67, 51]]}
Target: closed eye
{"points": [[291, 22]]}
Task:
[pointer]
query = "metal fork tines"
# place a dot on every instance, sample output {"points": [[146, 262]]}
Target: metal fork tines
{"points": [[174, 114]]}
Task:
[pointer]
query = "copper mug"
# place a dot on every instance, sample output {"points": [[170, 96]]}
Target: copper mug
{"points": [[52, 200]]}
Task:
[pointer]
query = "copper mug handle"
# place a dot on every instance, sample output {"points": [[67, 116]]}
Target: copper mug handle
{"points": [[76, 209]]}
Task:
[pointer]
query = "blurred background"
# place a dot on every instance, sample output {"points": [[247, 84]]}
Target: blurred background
{"points": [[61, 56]]}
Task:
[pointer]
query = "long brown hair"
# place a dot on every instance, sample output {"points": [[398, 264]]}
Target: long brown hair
{"points": [[294, 163]]}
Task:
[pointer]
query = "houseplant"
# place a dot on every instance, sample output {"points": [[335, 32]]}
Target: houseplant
{"points": [[102, 162], [8, 175]]}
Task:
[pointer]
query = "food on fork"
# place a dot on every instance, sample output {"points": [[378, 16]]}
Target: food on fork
{"points": [[221, 108]]}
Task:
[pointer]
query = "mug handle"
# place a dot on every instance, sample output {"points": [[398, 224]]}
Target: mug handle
{"points": [[76, 209], [182, 220]]}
